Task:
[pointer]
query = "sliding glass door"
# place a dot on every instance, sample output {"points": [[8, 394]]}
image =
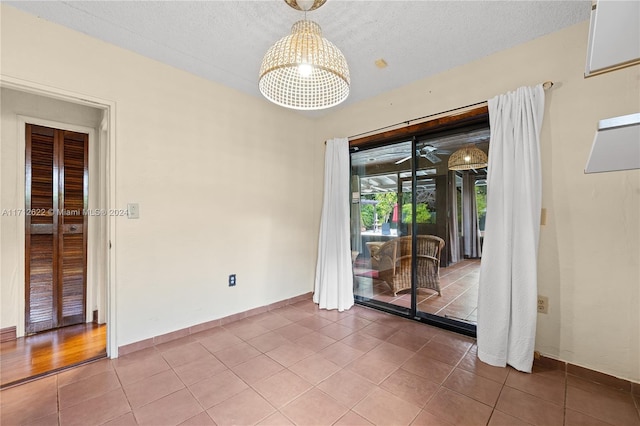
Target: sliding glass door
{"points": [[417, 228]]}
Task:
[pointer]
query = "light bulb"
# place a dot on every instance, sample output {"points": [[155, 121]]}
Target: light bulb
{"points": [[305, 69], [467, 158], [305, 4]]}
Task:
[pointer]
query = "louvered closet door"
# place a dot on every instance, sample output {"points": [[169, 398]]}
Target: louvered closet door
{"points": [[41, 227], [56, 238]]}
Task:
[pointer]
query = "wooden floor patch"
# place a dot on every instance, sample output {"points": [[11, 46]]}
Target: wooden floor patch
{"points": [[42, 353]]}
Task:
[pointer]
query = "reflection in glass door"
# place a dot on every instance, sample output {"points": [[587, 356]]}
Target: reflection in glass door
{"points": [[418, 227], [447, 270], [378, 219]]}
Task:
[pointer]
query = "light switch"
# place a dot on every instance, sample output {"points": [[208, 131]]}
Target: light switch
{"points": [[133, 211], [543, 217]]}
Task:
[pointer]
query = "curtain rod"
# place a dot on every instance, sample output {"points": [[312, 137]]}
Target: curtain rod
{"points": [[546, 85]]}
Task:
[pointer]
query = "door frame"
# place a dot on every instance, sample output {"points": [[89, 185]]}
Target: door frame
{"points": [[106, 143]]}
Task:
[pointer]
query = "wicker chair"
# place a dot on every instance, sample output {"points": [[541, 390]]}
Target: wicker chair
{"points": [[394, 263]]}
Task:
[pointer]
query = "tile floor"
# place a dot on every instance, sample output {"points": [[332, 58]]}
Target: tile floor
{"points": [[304, 366]]}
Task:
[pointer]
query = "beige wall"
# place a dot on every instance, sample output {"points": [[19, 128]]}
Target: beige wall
{"points": [[589, 258], [221, 178], [231, 184]]}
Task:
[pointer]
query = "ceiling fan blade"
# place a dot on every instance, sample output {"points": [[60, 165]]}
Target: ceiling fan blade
{"points": [[403, 160]]}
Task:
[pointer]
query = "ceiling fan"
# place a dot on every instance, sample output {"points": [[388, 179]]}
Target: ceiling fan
{"points": [[427, 152], [370, 186]]}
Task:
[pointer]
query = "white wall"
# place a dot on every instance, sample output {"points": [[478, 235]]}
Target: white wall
{"points": [[221, 178], [589, 258]]}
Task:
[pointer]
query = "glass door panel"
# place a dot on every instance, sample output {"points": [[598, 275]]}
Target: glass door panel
{"points": [[378, 218], [449, 240]]}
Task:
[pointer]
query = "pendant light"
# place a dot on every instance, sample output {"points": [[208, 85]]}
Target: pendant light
{"points": [[467, 158], [304, 70]]}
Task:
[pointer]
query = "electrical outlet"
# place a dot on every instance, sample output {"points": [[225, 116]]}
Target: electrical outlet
{"points": [[232, 280], [543, 305]]}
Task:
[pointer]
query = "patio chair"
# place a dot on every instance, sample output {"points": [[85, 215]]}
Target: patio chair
{"points": [[394, 263]]}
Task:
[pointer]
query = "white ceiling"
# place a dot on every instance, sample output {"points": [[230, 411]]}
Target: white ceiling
{"points": [[224, 41]]}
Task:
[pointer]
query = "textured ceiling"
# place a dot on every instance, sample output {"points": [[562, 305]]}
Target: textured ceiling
{"points": [[224, 41]]}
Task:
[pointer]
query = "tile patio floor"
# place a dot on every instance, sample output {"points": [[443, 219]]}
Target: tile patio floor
{"points": [[458, 283]]}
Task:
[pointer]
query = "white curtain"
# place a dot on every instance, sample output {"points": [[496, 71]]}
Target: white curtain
{"points": [[508, 273], [454, 235], [470, 224], [334, 273]]}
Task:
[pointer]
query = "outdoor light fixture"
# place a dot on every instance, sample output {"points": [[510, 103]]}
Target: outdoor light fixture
{"points": [[304, 70], [467, 158]]}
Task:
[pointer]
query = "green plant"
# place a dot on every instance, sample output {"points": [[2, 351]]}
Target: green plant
{"points": [[366, 215], [423, 215], [386, 201]]}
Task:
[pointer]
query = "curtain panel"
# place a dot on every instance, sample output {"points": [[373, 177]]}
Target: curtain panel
{"points": [[471, 230], [334, 270], [507, 297], [454, 233]]}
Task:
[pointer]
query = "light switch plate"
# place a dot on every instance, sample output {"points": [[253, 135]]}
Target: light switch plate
{"points": [[133, 211]]}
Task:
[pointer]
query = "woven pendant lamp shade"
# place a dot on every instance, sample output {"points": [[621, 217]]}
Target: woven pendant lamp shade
{"points": [[468, 158], [322, 81], [306, 5]]}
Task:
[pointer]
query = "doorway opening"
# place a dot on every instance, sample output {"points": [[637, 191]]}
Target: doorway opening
{"points": [[81, 280]]}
